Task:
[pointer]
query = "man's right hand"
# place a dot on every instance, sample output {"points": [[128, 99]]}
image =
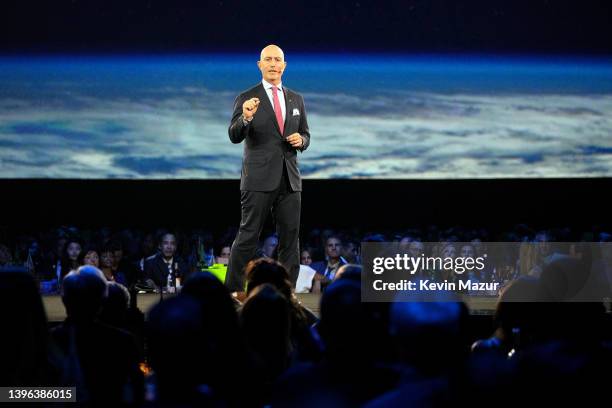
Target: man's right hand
{"points": [[249, 108]]}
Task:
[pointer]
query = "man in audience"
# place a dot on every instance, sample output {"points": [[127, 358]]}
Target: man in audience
{"points": [[121, 264], [326, 270], [165, 267], [350, 251]]}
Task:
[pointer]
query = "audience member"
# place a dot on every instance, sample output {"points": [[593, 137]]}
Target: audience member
{"points": [[165, 267], [70, 256], [266, 322], [102, 361], [326, 270], [29, 358], [107, 261]]}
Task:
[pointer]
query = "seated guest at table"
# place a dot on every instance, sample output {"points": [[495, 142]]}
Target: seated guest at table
{"points": [[306, 274], [224, 255], [121, 264], [147, 249], [306, 256], [106, 265], [262, 271], [266, 322], [50, 269], [70, 256], [350, 251], [102, 361], [326, 270], [165, 265], [89, 256]]}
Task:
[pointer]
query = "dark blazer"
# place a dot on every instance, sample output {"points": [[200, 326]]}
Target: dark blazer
{"points": [[321, 266], [156, 269], [265, 149]]}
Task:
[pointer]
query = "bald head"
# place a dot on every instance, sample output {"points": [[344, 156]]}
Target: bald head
{"points": [[272, 64], [271, 49]]}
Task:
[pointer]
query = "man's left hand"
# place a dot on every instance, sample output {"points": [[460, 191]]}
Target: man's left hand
{"points": [[295, 140]]}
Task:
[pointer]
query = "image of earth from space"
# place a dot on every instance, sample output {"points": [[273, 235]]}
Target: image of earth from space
{"points": [[370, 116]]}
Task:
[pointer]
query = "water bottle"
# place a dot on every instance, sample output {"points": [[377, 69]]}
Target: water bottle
{"points": [[209, 259], [170, 284]]}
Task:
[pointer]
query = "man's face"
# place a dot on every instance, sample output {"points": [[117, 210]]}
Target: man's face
{"points": [[168, 246], [272, 64], [332, 248], [350, 251]]}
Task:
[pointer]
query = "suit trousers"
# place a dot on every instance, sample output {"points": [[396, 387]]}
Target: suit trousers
{"points": [[285, 206]]}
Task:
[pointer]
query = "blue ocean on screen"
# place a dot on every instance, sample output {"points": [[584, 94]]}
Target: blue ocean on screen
{"points": [[370, 116]]}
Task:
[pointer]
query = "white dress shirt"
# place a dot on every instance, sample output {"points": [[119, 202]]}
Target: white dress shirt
{"points": [[281, 96]]}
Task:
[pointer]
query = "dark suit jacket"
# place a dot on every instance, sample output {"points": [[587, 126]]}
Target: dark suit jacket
{"points": [[156, 269], [265, 149], [321, 266]]}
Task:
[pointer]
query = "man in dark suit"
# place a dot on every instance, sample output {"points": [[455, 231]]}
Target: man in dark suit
{"points": [[165, 266], [271, 120], [326, 270]]}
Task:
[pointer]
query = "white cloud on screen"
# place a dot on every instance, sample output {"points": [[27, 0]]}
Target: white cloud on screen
{"points": [[182, 133]]}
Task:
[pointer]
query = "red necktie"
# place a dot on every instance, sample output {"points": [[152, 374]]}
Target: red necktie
{"points": [[277, 109]]}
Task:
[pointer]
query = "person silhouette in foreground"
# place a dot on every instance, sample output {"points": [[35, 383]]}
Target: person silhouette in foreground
{"points": [[28, 356], [351, 372], [101, 360], [197, 349]]}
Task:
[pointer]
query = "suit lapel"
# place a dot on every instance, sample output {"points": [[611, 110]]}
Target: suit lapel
{"points": [[264, 101], [288, 97]]}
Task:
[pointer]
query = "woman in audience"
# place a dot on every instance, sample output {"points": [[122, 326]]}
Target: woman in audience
{"points": [[89, 257], [266, 324], [262, 271], [70, 256], [106, 265]]}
